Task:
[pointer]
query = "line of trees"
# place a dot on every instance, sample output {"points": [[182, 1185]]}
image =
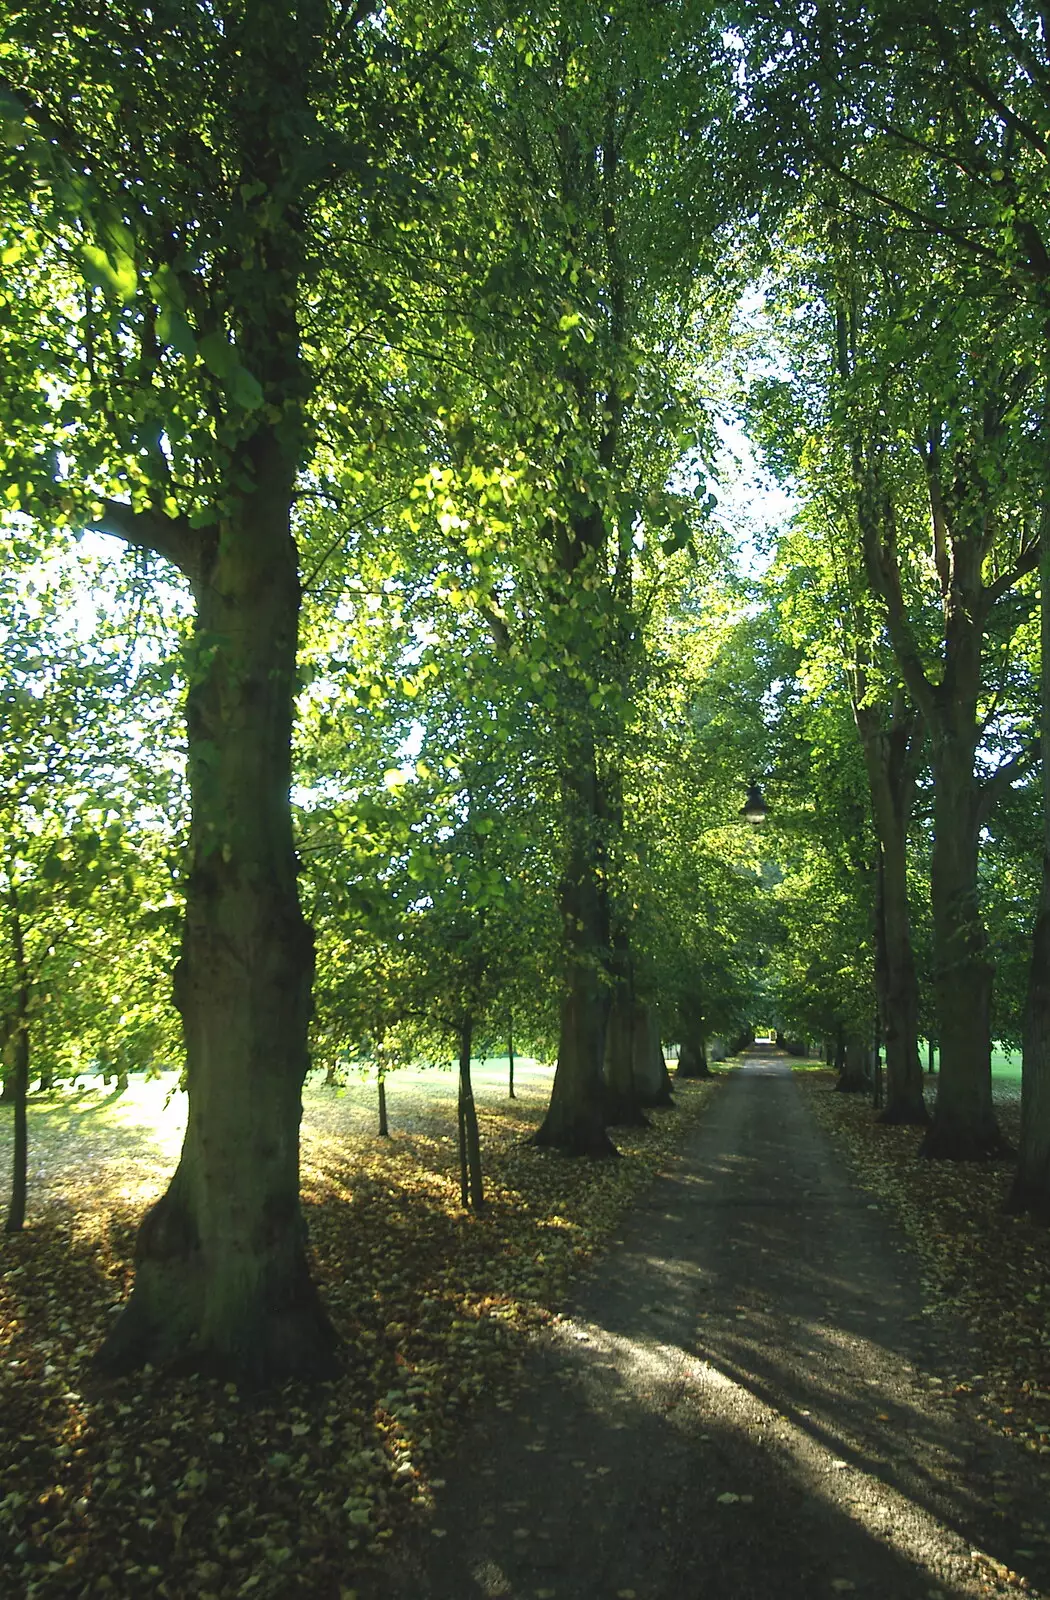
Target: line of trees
{"points": [[392, 348]]}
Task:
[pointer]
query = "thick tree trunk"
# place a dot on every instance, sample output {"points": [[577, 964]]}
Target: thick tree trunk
{"points": [[899, 992], [963, 1126], [622, 1105], [692, 1049], [652, 1080], [575, 1119], [855, 1068], [1030, 1190], [692, 1058], [1031, 1185], [889, 738], [222, 1281], [470, 1180]]}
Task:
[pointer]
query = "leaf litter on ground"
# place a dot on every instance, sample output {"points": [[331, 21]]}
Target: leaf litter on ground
{"points": [[988, 1267], [171, 1487]]}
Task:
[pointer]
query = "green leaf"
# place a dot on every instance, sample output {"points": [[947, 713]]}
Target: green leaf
{"points": [[115, 276], [244, 389], [218, 355], [681, 533], [174, 330]]}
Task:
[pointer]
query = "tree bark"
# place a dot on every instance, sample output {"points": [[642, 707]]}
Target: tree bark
{"points": [[888, 758], [510, 1058], [963, 1125], [622, 1105], [1031, 1186], [651, 1078], [222, 1282], [692, 1058], [899, 1008], [575, 1119], [692, 1048], [470, 1179], [855, 1068], [384, 1126], [19, 1074]]}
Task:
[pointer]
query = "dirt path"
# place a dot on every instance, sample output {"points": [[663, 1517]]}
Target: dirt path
{"points": [[745, 1402]]}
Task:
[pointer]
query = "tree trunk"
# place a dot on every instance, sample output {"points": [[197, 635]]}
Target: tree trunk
{"points": [[652, 1081], [384, 1127], [622, 1106], [575, 1119], [692, 1049], [1031, 1185], [899, 991], [222, 1282], [692, 1058], [19, 1074], [963, 1127], [510, 1058], [890, 739], [931, 1047], [470, 1180], [855, 1070], [1030, 1190]]}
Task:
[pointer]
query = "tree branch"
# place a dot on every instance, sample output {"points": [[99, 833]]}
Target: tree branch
{"points": [[993, 788], [170, 537], [1027, 561]]}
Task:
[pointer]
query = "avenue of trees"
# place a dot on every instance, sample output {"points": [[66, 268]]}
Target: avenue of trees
{"points": [[379, 681]]}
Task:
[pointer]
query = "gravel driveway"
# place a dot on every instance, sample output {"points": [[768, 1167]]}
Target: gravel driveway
{"points": [[745, 1402]]}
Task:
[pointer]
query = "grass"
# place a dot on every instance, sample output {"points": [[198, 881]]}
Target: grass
{"points": [[1006, 1064]]}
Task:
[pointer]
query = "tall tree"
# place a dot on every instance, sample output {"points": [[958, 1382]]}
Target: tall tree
{"points": [[174, 221], [936, 116]]}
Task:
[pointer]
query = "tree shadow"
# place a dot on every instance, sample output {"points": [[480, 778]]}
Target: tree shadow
{"points": [[743, 1404]]}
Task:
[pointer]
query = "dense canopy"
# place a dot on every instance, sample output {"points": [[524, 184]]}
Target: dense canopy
{"points": [[446, 458]]}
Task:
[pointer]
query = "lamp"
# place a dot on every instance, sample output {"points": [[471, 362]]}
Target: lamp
{"points": [[754, 808]]}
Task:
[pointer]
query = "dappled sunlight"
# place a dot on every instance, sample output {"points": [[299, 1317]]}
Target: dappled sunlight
{"points": [[881, 1491]]}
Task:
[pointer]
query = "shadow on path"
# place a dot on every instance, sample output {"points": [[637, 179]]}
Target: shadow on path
{"points": [[743, 1403]]}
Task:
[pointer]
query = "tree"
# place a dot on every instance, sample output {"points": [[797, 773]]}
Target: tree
{"points": [[934, 116], [173, 228], [79, 861]]}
